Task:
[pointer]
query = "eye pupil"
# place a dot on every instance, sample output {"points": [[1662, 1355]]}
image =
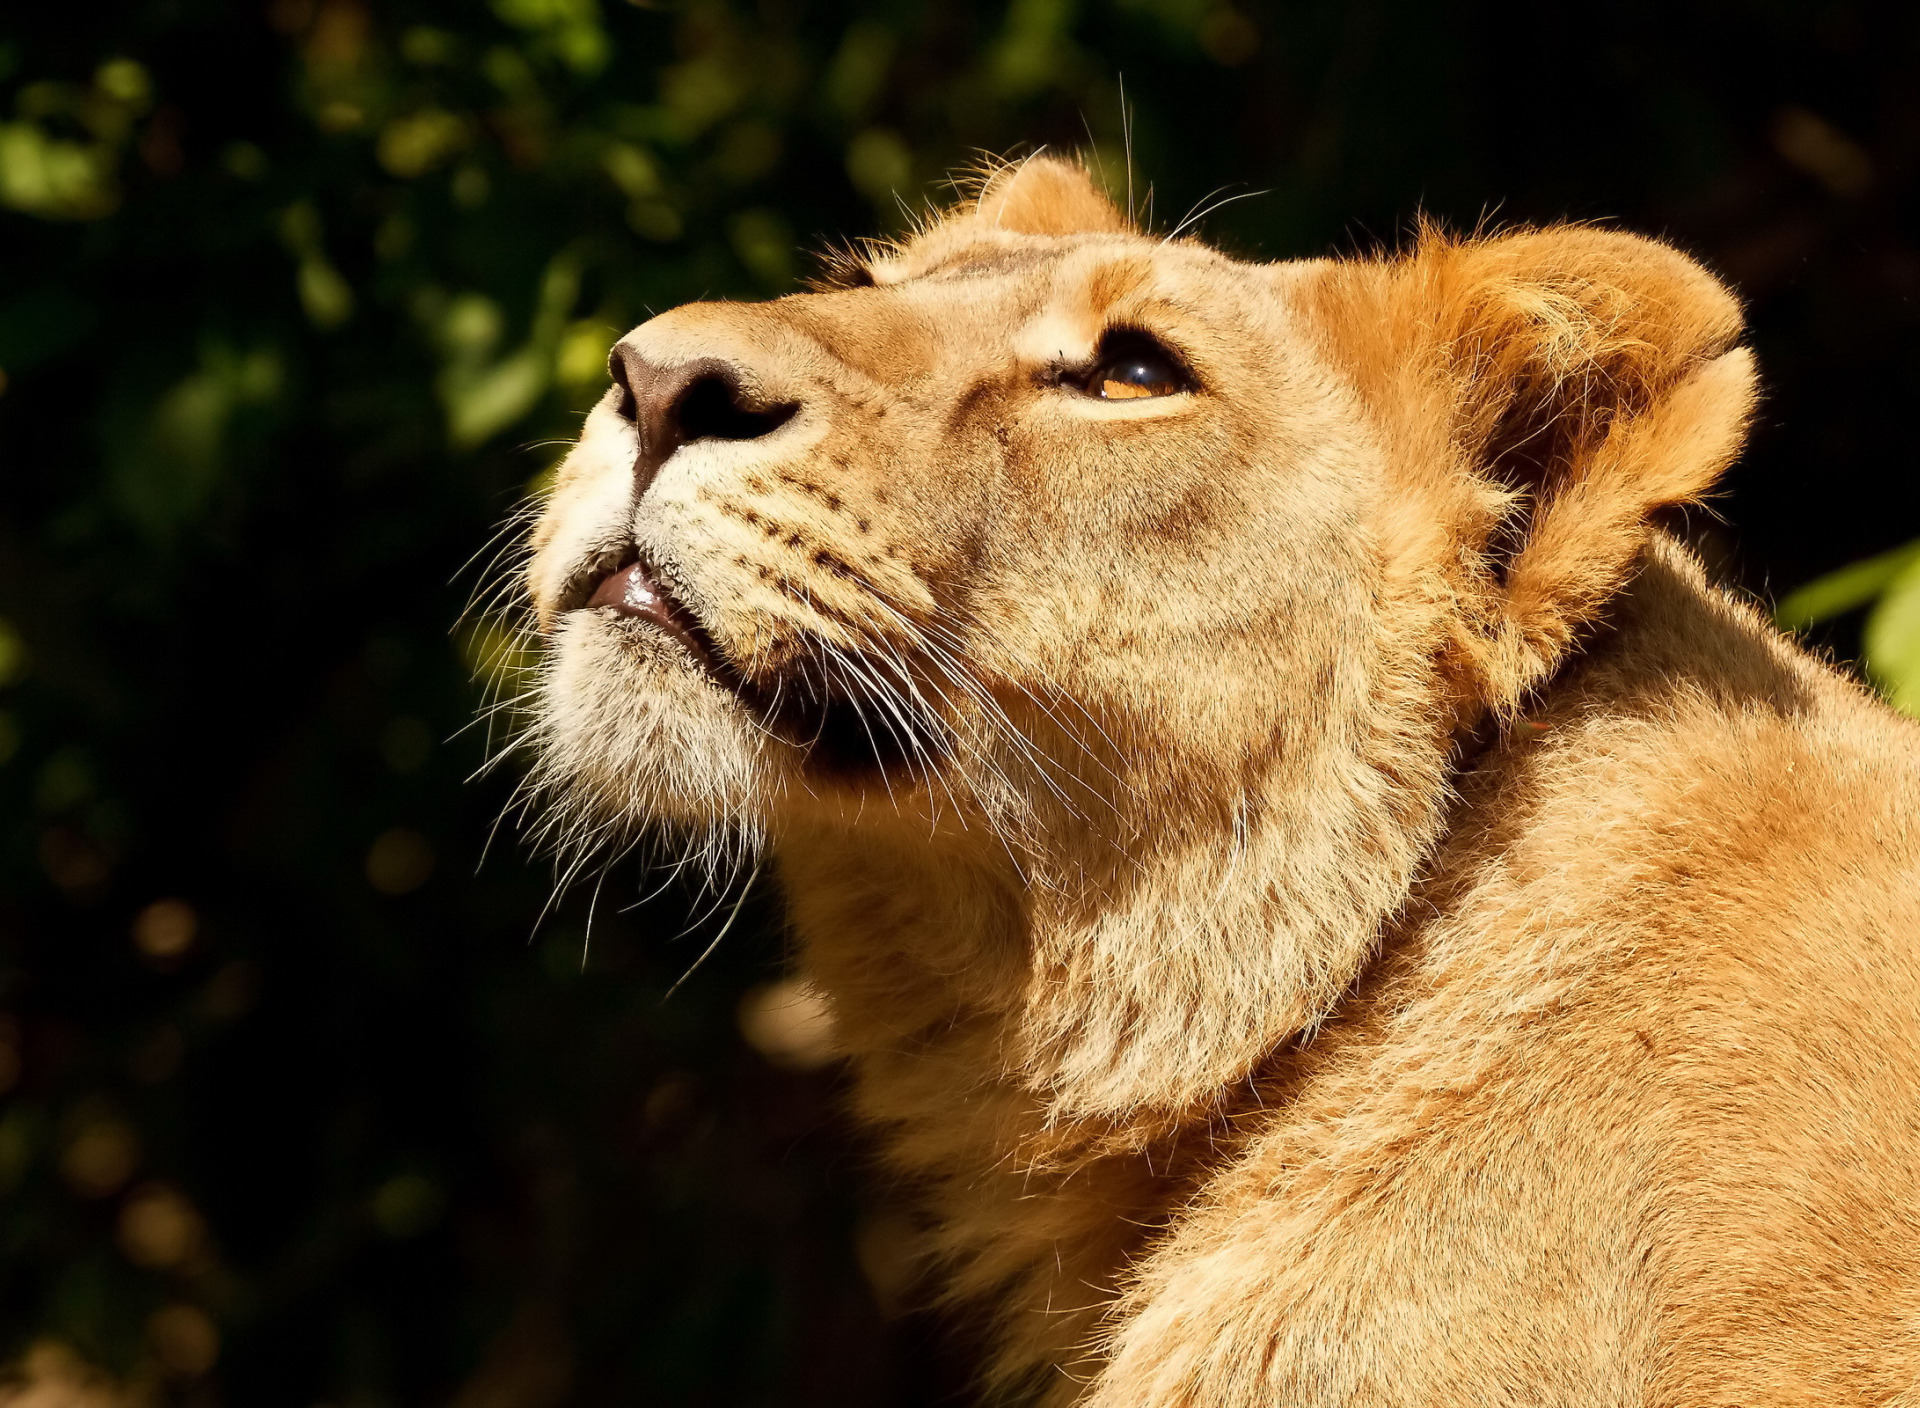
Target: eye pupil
{"points": [[1132, 364], [1136, 375]]}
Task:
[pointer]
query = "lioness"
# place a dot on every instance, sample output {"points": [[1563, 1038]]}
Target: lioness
{"points": [[1321, 894]]}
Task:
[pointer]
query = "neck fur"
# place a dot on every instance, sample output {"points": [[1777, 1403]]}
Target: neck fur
{"points": [[1054, 1050], [1109, 982]]}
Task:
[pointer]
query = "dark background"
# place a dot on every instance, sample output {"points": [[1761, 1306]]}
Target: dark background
{"points": [[299, 300]]}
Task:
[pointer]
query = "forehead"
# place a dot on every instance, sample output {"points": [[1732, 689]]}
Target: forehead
{"points": [[972, 252], [960, 302], [959, 281]]}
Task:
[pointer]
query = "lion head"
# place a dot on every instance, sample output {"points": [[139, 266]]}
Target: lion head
{"points": [[1086, 620]]}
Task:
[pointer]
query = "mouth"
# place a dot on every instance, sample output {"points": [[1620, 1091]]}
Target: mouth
{"points": [[631, 588], [824, 718]]}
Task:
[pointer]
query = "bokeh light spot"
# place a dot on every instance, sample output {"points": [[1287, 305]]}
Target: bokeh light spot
{"points": [[408, 1205], [788, 1023], [13, 654], [230, 993], [164, 931], [184, 1340], [100, 1157], [399, 862], [1229, 37], [159, 1228]]}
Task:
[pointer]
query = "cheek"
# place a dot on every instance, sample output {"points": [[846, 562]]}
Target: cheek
{"points": [[1236, 599], [1105, 478]]}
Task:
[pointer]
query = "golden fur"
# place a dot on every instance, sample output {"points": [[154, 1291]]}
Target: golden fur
{"points": [[1338, 910]]}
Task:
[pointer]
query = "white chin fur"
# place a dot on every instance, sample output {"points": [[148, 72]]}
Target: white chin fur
{"points": [[632, 733]]}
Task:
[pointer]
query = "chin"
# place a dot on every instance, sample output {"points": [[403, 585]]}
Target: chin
{"points": [[634, 734]]}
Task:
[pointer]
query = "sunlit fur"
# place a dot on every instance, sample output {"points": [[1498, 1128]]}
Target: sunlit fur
{"points": [[1353, 916]]}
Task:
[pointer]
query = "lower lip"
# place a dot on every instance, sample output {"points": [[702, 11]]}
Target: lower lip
{"points": [[631, 592]]}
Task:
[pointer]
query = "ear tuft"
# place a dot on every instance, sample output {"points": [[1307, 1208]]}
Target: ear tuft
{"points": [[1046, 196], [1553, 336], [1545, 394], [1596, 379]]}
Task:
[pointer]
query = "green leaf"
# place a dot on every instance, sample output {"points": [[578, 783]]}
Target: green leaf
{"points": [[1850, 587], [1892, 640]]}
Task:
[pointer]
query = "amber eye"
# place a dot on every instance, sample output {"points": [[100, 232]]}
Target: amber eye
{"points": [[1135, 366]]}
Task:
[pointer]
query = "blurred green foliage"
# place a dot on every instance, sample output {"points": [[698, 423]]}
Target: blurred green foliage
{"points": [[1887, 583], [298, 301]]}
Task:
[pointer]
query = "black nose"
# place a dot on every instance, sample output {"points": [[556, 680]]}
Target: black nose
{"points": [[671, 406]]}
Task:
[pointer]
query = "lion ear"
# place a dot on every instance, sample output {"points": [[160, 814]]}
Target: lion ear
{"points": [[1554, 389], [1046, 196]]}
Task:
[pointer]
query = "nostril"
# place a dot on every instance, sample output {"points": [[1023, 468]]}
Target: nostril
{"points": [[672, 405], [710, 408], [628, 407]]}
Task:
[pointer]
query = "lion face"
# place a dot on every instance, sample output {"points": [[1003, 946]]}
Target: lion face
{"points": [[1104, 611], [1025, 524]]}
